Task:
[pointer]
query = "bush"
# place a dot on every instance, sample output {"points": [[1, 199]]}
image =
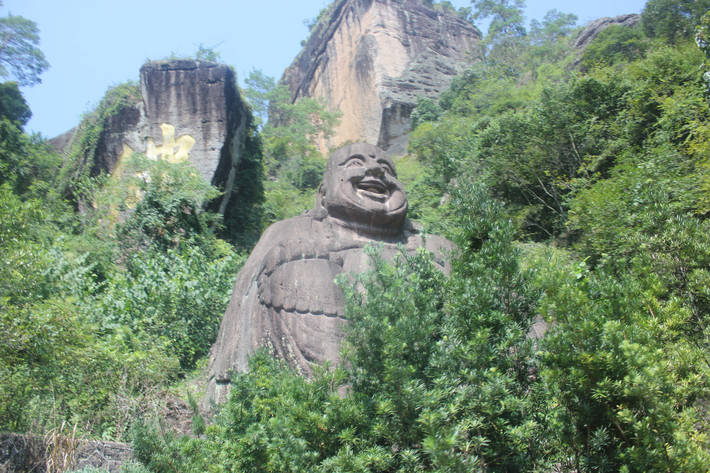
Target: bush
{"points": [[629, 386], [673, 20], [177, 297], [614, 44]]}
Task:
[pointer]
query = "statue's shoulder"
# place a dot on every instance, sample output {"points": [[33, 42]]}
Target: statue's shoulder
{"points": [[278, 240], [300, 234], [290, 228], [416, 236], [438, 243], [440, 247]]}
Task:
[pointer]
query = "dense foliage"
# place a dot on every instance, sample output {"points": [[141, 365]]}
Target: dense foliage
{"points": [[439, 375], [20, 56], [293, 164], [575, 184], [103, 309], [610, 162]]}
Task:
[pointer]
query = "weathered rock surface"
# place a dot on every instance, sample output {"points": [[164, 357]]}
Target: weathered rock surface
{"points": [[590, 32], [371, 59], [23, 453], [285, 298], [190, 110]]}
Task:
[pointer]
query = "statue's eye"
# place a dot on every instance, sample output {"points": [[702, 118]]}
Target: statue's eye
{"points": [[386, 166], [355, 161]]}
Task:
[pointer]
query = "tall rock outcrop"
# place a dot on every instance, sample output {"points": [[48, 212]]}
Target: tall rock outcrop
{"points": [[371, 59], [201, 102], [593, 29], [186, 110]]}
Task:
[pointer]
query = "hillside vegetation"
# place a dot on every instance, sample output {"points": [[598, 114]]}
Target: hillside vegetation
{"points": [[576, 185]]}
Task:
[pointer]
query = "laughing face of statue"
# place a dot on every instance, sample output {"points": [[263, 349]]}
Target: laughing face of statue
{"points": [[360, 189]]}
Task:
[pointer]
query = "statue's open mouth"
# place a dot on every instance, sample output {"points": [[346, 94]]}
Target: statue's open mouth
{"points": [[373, 188]]}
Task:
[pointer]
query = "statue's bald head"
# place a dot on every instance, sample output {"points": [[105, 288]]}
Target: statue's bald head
{"points": [[360, 186]]}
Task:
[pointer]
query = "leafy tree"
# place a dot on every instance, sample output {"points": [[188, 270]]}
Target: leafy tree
{"points": [[26, 162], [614, 44], [177, 274], [535, 157], [258, 94], [207, 53], [426, 196], [449, 370], [505, 78], [294, 128], [425, 111], [177, 297], [284, 200], [622, 157], [20, 58], [673, 20], [505, 39], [289, 138], [554, 26], [168, 199], [13, 105], [54, 365], [506, 16], [443, 147], [702, 39], [627, 382], [274, 421]]}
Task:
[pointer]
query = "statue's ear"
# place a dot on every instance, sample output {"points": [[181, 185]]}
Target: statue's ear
{"points": [[319, 211], [321, 196]]}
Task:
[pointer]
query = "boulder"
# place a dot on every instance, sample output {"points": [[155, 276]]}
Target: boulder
{"points": [[25, 453]]}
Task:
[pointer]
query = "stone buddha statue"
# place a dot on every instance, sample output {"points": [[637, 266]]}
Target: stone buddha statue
{"points": [[285, 297]]}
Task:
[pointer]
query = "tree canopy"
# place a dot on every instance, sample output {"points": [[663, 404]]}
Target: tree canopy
{"points": [[20, 56]]}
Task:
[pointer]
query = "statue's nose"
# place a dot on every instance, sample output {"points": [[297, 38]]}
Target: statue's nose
{"points": [[375, 169]]}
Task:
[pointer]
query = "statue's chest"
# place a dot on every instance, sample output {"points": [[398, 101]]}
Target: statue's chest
{"points": [[297, 277]]}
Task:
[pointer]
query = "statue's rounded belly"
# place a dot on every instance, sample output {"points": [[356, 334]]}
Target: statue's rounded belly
{"points": [[305, 286], [307, 307]]}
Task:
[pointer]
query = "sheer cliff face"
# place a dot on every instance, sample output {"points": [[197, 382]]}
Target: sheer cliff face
{"points": [[190, 111], [371, 60], [196, 108], [199, 100]]}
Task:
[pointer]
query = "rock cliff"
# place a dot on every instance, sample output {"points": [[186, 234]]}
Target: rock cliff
{"points": [[186, 111], [371, 59], [591, 31]]}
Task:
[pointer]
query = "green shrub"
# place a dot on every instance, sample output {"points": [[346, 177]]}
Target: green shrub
{"points": [[672, 20], [628, 385], [614, 44], [177, 297]]}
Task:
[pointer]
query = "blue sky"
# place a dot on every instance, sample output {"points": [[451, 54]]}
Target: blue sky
{"points": [[94, 44]]}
